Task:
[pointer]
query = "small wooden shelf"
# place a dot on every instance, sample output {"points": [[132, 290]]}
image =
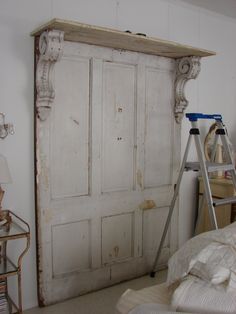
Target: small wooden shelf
{"points": [[107, 37]]}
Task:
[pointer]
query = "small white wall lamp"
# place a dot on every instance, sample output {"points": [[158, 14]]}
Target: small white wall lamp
{"points": [[5, 128]]}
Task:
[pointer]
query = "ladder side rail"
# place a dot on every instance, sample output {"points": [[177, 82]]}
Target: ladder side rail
{"points": [[225, 142], [205, 178], [172, 205], [200, 212], [226, 145], [203, 198]]}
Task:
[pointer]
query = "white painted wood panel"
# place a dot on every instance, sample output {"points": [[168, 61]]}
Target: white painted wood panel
{"points": [[70, 129], [158, 128], [120, 245], [100, 205], [119, 86], [152, 235], [69, 256]]}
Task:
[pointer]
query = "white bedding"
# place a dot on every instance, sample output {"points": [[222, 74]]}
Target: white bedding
{"points": [[205, 267], [151, 308], [210, 256], [204, 272], [197, 296], [158, 294]]}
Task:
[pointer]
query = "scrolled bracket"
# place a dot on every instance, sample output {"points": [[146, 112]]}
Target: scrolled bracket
{"points": [[187, 68], [51, 50]]}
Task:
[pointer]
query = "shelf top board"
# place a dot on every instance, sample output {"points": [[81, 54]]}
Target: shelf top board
{"points": [[106, 37]]}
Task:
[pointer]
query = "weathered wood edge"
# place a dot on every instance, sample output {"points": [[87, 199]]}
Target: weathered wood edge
{"points": [[101, 36]]}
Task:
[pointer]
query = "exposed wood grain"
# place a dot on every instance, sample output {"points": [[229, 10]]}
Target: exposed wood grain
{"points": [[78, 32]]}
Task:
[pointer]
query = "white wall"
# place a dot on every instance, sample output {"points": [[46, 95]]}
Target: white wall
{"points": [[214, 90]]}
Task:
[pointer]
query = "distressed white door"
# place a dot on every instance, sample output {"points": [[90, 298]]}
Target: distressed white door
{"points": [[106, 162]]}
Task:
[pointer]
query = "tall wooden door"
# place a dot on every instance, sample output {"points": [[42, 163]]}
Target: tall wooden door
{"points": [[106, 162]]}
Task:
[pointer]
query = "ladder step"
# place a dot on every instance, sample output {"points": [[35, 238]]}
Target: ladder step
{"points": [[224, 201], [207, 167], [192, 165], [211, 166]]}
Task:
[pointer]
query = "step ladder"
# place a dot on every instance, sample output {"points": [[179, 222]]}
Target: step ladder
{"points": [[205, 168]]}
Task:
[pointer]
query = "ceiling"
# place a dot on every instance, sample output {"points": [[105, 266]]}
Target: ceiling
{"points": [[225, 7]]}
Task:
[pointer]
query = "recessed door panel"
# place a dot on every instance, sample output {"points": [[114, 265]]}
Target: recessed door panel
{"points": [[118, 127], [71, 247], [70, 129], [119, 246], [158, 128]]}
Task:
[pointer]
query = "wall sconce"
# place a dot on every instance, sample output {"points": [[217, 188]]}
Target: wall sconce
{"points": [[5, 128]]}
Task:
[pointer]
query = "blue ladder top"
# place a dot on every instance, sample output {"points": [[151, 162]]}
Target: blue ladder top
{"points": [[195, 116]]}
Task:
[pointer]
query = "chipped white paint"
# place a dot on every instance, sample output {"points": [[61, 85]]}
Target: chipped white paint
{"points": [[119, 131], [70, 129], [117, 238], [95, 154], [47, 215], [159, 85], [147, 204], [67, 255], [187, 68], [150, 243]]}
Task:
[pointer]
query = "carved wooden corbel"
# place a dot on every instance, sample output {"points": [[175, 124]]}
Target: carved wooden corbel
{"points": [[187, 68], [51, 50]]}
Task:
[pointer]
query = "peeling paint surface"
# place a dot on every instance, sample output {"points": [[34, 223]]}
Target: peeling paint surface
{"points": [[147, 204], [75, 121], [44, 172], [117, 237], [48, 215], [97, 218], [116, 250], [140, 178]]}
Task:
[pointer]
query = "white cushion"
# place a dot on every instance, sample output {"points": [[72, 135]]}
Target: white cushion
{"points": [[194, 295], [159, 294], [210, 256]]}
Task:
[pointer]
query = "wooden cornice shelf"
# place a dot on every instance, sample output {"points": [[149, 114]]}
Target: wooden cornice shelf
{"points": [[78, 32]]}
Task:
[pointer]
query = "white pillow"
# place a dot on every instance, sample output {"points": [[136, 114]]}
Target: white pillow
{"points": [[178, 264], [197, 296], [210, 256], [151, 308]]}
